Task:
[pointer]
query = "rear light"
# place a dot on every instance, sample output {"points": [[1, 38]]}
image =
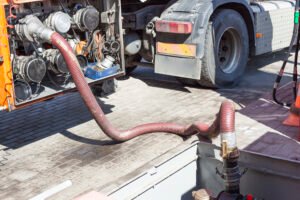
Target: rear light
{"points": [[173, 27]]}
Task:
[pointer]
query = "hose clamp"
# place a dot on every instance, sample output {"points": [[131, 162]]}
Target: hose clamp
{"points": [[228, 143]]}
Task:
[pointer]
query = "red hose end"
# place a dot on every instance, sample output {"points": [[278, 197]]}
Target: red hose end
{"points": [[227, 117]]}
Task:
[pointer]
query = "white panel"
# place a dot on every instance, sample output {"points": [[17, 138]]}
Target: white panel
{"points": [[271, 5], [173, 179], [275, 20]]}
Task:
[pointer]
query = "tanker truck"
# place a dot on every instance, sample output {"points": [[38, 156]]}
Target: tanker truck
{"points": [[33, 70], [204, 42]]}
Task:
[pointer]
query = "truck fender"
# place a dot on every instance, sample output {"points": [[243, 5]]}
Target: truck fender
{"points": [[199, 12]]}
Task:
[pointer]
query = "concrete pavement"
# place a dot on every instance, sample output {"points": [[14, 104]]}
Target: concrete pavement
{"points": [[55, 141]]}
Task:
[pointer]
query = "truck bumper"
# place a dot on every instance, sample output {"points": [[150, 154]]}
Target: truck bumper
{"points": [[178, 66]]}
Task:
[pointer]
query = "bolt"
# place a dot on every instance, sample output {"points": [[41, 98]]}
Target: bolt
{"points": [[225, 48], [222, 59]]}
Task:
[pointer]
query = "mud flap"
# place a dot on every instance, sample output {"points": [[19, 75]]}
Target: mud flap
{"points": [[176, 66]]}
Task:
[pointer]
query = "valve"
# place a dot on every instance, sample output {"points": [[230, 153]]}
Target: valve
{"points": [[59, 22], [87, 19], [30, 68], [55, 61], [30, 28]]}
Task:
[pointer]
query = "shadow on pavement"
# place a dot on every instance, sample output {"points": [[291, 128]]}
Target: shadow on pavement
{"points": [[256, 81], [85, 140], [273, 144], [147, 75], [41, 120], [270, 114], [32, 123]]}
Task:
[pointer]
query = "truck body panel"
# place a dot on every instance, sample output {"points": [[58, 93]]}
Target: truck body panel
{"points": [[174, 66], [273, 21], [275, 25], [6, 85]]}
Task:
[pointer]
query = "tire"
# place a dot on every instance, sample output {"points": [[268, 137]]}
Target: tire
{"points": [[226, 50]]}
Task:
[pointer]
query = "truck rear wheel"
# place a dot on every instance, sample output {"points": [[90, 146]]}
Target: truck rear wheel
{"points": [[226, 50]]}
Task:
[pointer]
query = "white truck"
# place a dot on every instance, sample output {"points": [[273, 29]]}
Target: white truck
{"points": [[206, 42]]}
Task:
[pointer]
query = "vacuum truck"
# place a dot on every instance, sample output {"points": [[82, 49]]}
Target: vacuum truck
{"points": [[204, 42], [32, 69]]}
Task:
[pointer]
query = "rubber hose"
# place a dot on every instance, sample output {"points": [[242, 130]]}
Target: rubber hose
{"points": [[203, 129], [227, 117]]}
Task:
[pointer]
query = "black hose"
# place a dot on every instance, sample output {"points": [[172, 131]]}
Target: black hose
{"points": [[295, 38]]}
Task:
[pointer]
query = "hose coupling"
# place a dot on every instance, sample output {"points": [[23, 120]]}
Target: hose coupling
{"points": [[30, 28]]}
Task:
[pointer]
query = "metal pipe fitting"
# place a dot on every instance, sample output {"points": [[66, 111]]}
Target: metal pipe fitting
{"points": [[229, 151], [30, 28], [59, 22], [55, 61], [232, 175], [30, 68], [227, 129], [107, 62], [230, 172], [87, 19]]}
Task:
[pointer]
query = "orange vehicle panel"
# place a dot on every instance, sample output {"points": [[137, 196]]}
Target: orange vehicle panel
{"points": [[24, 1], [6, 77], [186, 50], [6, 2], [3, 2]]}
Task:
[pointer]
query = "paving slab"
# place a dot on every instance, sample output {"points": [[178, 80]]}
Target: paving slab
{"points": [[52, 142], [60, 143], [260, 128]]}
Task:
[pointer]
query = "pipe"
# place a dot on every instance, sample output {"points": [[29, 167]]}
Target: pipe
{"points": [[227, 117], [231, 172], [295, 38], [227, 129], [117, 135], [229, 151], [33, 27]]}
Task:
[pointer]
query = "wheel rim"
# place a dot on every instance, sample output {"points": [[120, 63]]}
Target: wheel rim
{"points": [[229, 51]]}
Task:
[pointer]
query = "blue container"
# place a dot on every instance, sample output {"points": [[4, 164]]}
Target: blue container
{"points": [[95, 75]]}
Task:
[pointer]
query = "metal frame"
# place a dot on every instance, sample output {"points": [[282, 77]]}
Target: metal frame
{"points": [[6, 81], [194, 168]]}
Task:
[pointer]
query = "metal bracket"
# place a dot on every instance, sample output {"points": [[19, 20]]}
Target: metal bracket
{"points": [[8, 104], [107, 17]]}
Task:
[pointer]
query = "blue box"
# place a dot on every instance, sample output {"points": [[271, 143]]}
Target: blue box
{"points": [[95, 75]]}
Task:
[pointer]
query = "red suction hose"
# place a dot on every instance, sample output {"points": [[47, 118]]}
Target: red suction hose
{"points": [[227, 117], [226, 112]]}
